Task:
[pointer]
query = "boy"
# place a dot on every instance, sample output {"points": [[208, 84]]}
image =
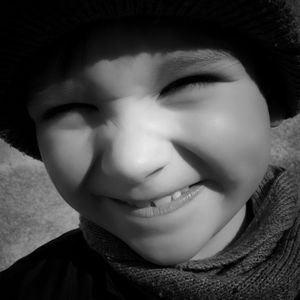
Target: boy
{"points": [[153, 121]]}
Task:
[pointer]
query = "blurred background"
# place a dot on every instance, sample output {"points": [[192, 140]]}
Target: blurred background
{"points": [[32, 213]]}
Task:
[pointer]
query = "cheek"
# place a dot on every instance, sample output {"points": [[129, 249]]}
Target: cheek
{"points": [[232, 136], [67, 156]]}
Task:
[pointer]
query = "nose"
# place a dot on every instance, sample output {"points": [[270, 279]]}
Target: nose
{"points": [[133, 155]]}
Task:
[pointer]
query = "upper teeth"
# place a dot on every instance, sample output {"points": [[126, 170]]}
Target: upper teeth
{"points": [[168, 199], [161, 201], [176, 195]]}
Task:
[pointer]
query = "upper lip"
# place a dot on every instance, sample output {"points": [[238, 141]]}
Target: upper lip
{"points": [[145, 203]]}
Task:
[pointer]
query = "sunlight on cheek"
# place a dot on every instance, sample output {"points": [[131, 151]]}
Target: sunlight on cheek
{"points": [[232, 147], [244, 149], [240, 140]]}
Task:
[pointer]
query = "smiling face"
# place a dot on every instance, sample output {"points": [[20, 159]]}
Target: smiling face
{"points": [[148, 112]]}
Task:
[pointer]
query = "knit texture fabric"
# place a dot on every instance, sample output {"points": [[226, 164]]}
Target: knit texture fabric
{"points": [[29, 28], [264, 263]]}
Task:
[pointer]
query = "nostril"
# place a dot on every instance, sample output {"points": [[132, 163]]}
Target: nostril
{"points": [[155, 172]]}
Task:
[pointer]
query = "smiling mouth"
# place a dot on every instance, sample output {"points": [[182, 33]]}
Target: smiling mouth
{"points": [[163, 205]]}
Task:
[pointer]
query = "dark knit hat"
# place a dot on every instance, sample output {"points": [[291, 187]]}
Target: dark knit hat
{"points": [[28, 27]]}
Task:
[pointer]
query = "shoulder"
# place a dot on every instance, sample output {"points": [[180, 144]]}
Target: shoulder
{"points": [[64, 266]]}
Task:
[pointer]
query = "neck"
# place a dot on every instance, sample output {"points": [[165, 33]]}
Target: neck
{"points": [[227, 235]]}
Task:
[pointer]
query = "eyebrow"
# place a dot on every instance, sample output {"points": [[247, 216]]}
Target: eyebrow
{"points": [[203, 59]]}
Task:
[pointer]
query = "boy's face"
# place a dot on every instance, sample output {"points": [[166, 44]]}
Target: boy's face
{"points": [[146, 113]]}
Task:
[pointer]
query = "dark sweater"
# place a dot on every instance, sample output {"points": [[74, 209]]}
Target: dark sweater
{"points": [[65, 268]]}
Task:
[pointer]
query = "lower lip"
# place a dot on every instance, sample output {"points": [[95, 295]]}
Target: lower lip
{"points": [[150, 212]]}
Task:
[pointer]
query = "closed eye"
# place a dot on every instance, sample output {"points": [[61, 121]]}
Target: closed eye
{"points": [[66, 108], [199, 80]]}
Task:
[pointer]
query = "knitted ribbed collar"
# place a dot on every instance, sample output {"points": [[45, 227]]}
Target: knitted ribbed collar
{"points": [[264, 263]]}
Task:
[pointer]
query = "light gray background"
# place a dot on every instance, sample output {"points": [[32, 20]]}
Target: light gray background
{"points": [[32, 213]]}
